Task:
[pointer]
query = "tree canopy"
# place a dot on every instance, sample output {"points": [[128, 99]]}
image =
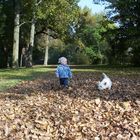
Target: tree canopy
{"points": [[126, 14], [37, 30]]}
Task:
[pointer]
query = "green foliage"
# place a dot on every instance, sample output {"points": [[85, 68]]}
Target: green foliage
{"points": [[95, 58], [57, 15], [85, 38], [127, 14], [86, 45], [134, 52], [81, 58], [56, 49], [74, 54], [90, 32], [6, 31]]}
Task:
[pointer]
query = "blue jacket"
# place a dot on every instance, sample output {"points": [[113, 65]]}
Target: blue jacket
{"points": [[63, 71]]}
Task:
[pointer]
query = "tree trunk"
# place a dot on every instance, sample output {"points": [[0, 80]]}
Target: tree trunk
{"points": [[22, 55], [3, 57], [46, 51], [29, 52], [16, 35]]}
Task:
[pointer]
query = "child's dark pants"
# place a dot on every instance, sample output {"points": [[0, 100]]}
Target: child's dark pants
{"points": [[64, 82]]}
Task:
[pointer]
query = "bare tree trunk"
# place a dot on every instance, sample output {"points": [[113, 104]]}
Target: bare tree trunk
{"points": [[31, 44], [46, 50], [3, 57], [21, 59], [16, 35], [22, 56], [29, 52]]}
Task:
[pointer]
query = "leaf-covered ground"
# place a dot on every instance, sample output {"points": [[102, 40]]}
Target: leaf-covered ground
{"points": [[40, 110]]}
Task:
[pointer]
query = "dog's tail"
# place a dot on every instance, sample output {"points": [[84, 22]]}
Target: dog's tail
{"points": [[104, 75]]}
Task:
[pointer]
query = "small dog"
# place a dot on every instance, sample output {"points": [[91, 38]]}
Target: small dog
{"points": [[105, 83]]}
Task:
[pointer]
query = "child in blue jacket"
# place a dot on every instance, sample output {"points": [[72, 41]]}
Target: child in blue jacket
{"points": [[63, 72]]}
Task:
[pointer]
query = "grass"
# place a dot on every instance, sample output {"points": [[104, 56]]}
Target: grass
{"points": [[11, 77]]}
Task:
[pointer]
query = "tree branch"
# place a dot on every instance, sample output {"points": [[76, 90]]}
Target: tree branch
{"points": [[24, 23], [52, 33], [38, 2]]}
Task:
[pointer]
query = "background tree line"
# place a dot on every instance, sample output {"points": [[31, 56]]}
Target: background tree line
{"points": [[40, 31], [125, 39]]}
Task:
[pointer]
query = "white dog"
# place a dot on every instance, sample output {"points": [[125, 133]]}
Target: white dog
{"points": [[105, 83]]}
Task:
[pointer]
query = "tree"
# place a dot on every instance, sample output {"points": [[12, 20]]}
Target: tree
{"points": [[46, 49], [6, 34], [16, 34], [127, 15], [58, 19], [89, 30], [32, 34]]}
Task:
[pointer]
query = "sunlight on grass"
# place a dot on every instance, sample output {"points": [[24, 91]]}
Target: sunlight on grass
{"points": [[7, 83], [11, 77]]}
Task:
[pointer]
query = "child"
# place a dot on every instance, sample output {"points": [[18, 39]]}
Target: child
{"points": [[63, 72]]}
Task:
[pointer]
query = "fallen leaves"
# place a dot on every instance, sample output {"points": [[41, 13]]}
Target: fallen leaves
{"points": [[40, 110]]}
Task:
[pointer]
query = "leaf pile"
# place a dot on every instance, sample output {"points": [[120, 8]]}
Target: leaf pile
{"points": [[40, 110]]}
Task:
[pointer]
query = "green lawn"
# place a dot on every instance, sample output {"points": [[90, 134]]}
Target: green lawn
{"points": [[11, 77]]}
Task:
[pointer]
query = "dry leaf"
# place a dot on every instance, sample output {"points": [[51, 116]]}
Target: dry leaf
{"points": [[39, 109]]}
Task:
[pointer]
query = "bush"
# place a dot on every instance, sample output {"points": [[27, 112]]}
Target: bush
{"points": [[81, 58], [136, 56]]}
